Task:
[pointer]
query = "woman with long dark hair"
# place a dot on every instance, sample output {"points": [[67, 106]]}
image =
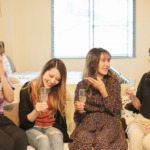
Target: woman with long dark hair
{"points": [[138, 130], [45, 123], [11, 137], [98, 126]]}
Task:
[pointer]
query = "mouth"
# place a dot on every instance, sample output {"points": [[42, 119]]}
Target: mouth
{"points": [[49, 84], [105, 70]]}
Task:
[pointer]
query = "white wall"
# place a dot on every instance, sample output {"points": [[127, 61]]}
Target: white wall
{"points": [[25, 27], [7, 25]]}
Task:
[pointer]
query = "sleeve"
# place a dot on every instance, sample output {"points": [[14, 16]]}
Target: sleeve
{"points": [[6, 76], [112, 102], [77, 116], [25, 107], [139, 93]]}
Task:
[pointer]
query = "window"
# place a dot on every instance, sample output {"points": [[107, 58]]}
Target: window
{"points": [[79, 25]]}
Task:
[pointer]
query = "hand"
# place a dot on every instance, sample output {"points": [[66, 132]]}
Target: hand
{"points": [[41, 106], [129, 92], [147, 126], [97, 83], [1, 68], [79, 106]]}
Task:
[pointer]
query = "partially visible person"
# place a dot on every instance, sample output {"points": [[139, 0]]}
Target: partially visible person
{"points": [[98, 126], [11, 137], [45, 122], [138, 130]]}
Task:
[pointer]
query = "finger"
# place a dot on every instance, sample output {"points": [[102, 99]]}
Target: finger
{"points": [[91, 80]]}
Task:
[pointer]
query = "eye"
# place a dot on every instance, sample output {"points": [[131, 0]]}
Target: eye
{"points": [[50, 76], [58, 80]]}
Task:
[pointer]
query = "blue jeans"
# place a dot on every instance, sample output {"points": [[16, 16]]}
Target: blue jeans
{"points": [[45, 138]]}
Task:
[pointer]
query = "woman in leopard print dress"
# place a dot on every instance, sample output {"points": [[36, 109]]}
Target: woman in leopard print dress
{"points": [[98, 126]]}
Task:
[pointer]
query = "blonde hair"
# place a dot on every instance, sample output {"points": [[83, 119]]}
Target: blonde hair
{"points": [[91, 67], [58, 92]]}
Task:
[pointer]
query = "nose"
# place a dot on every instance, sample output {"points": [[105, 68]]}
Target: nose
{"points": [[53, 81], [149, 59], [107, 63]]}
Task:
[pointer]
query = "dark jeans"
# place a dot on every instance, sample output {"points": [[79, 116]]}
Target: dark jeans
{"points": [[12, 138]]}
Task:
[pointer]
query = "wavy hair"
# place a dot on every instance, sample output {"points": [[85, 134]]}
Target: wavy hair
{"points": [[91, 67], [58, 92]]}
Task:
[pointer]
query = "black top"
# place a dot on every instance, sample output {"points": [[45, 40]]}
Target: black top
{"points": [[26, 107], [143, 94]]}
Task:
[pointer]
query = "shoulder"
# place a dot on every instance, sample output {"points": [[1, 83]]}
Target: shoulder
{"points": [[26, 88], [115, 81], [145, 75], [82, 84]]}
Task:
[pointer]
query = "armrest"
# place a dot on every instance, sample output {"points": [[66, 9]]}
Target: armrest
{"points": [[11, 111]]}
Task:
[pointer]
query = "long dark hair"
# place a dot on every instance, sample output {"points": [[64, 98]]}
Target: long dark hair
{"points": [[91, 67]]}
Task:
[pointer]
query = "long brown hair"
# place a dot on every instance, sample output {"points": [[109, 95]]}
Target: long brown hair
{"points": [[1, 49], [91, 67], [58, 92]]}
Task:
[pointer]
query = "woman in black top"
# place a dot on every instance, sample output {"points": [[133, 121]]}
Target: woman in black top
{"points": [[45, 122], [138, 130]]}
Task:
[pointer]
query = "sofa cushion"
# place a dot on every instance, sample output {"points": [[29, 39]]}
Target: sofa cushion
{"points": [[13, 68]]}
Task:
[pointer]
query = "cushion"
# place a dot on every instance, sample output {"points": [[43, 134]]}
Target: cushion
{"points": [[13, 68], [6, 64], [14, 79]]}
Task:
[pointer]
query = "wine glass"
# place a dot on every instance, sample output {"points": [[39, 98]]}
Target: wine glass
{"points": [[131, 84], [1, 84], [82, 97], [44, 95]]}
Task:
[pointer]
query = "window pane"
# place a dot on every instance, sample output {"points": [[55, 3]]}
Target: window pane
{"points": [[79, 25]]}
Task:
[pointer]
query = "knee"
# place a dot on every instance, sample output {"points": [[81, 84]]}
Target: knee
{"points": [[21, 137], [146, 144], [55, 136], [136, 134], [42, 140], [7, 143], [84, 136]]}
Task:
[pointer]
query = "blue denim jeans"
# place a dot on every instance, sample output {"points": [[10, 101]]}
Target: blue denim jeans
{"points": [[45, 138]]}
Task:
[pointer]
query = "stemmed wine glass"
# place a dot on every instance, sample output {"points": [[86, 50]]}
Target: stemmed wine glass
{"points": [[131, 84], [82, 97]]}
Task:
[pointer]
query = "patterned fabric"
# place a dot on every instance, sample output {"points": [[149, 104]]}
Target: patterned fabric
{"points": [[99, 127], [128, 115]]}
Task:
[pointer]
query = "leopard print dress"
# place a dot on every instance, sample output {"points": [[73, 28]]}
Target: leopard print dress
{"points": [[98, 126]]}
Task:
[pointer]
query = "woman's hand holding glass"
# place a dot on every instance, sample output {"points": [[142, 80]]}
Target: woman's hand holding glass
{"points": [[79, 106], [130, 90], [40, 106]]}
